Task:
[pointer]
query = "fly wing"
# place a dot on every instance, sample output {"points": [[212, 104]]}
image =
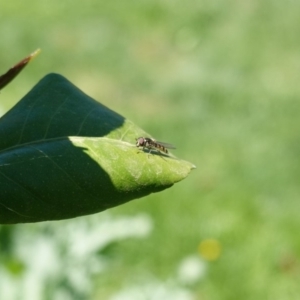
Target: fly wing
{"points": [[166, 145]]}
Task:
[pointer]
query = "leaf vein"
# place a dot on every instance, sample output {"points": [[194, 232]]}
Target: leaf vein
{"points": [[23, 188], [60, 168], [25, 122], [52, 117], [83, 121]]}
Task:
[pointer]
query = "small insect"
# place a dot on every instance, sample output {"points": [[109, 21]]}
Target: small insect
{"points": [[148, 143]]}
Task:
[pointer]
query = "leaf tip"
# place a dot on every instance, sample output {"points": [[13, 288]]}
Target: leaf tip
{"points": [[6, 78], [34, 54]]}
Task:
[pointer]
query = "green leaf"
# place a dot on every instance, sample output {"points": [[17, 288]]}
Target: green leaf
{"points": [[63, 155]]}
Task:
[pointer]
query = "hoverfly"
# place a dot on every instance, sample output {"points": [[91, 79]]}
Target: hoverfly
{"points": [[150, 144]]}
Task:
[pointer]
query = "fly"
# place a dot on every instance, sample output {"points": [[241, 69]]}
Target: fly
{"points": [[150, 144]]}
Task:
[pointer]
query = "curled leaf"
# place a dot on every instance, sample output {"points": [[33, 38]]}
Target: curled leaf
{"points": [[63, 155]]}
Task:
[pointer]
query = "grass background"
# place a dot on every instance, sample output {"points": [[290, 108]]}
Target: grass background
{"points": [[220, 80]]}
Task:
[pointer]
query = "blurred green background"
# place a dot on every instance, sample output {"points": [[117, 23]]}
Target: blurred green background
{"points": [[218, 79]]}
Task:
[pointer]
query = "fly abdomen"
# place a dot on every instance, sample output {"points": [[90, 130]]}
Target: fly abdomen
{"points": [[161, 148]]}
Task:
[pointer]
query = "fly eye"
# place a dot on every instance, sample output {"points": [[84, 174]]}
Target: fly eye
{"points": [[140, 141]]}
